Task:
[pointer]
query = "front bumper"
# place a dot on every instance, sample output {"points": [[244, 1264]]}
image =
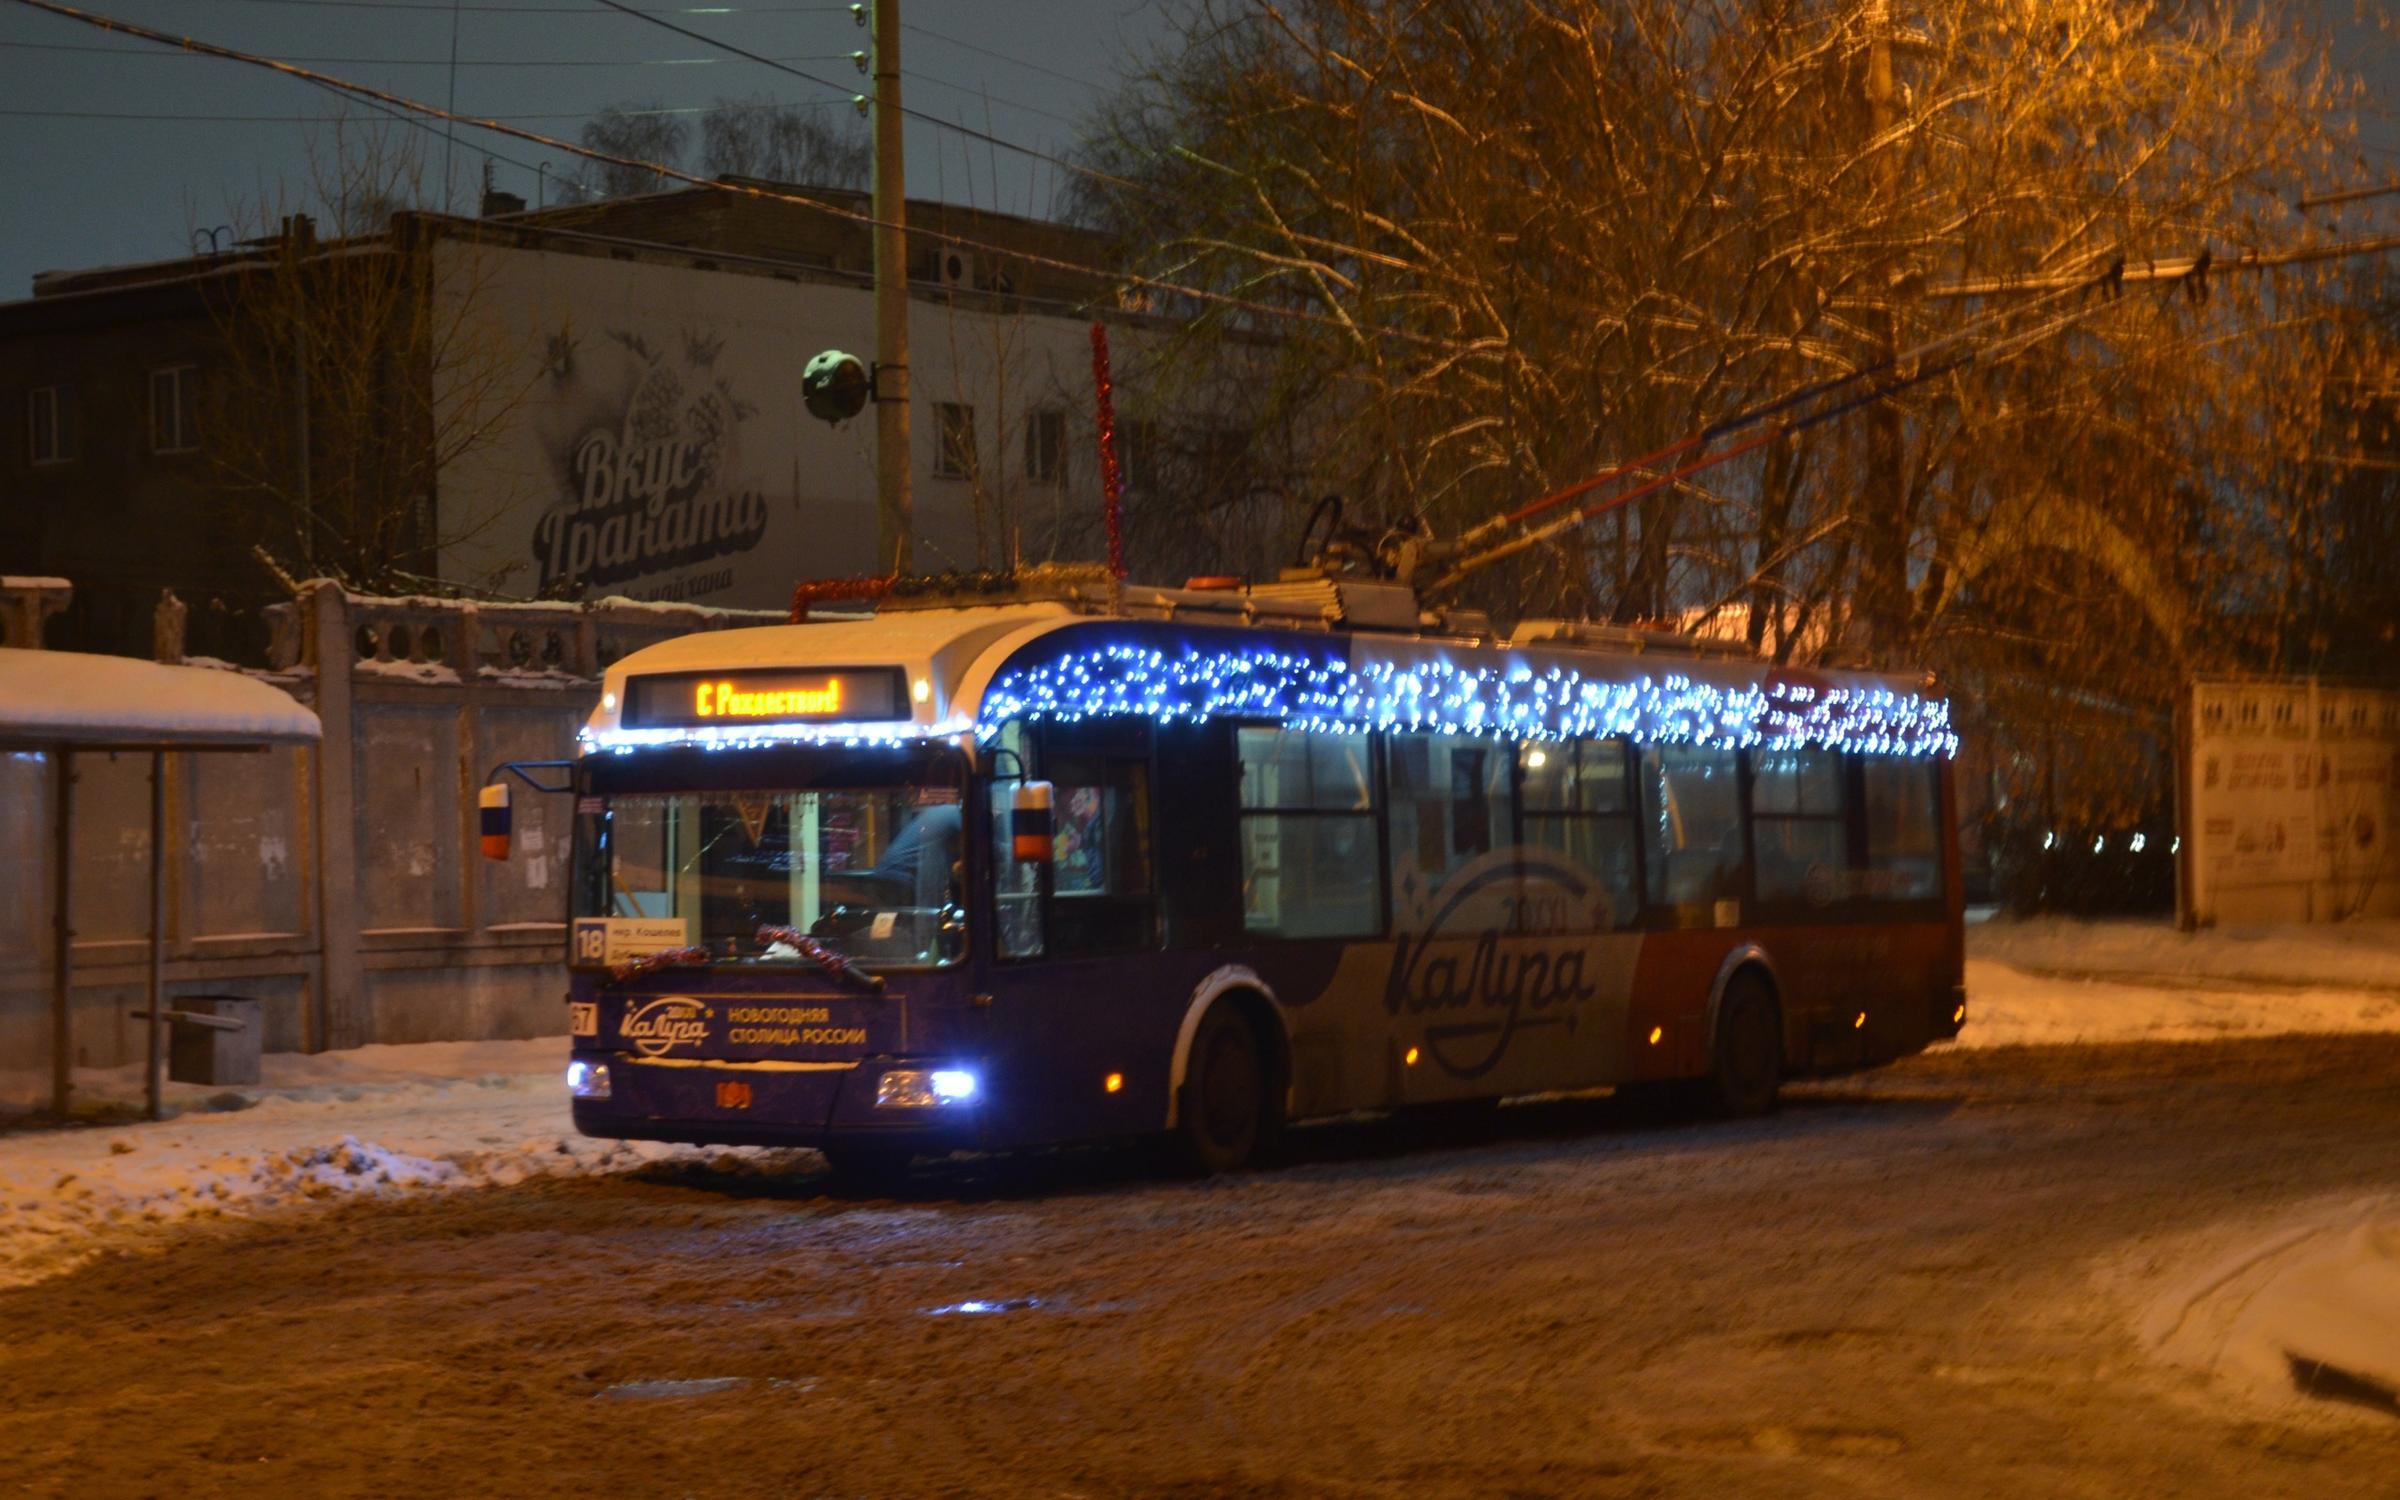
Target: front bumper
{"points": [[771, 1104]]}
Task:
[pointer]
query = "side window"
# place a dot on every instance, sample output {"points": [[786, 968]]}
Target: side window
{"points": [[1016, 884], [1799, 827], [1692, 834], [1449, 807], [1904, 836], [1578, 804], [1101, 895], [1308, 857]]}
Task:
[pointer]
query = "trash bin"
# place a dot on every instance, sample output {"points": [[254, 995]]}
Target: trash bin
{"points": [[220, 1054]]}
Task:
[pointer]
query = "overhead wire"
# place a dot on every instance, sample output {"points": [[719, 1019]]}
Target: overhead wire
{"points": [[419, 62], [391, 101]]}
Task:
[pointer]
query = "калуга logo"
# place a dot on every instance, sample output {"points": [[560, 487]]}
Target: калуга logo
{"points": [[1466, 964], [657, 1027]]}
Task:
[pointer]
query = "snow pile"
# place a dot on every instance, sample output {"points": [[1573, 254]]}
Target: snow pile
{"points": [[2309, 1310], [2327, 955], [2054, 982], [378, 1122]]}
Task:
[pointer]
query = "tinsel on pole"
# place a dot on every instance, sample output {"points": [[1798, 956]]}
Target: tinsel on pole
{"points": [[1112, 505]]}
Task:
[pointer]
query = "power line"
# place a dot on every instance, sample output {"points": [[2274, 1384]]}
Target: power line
{"points": [[223, 119], [435, 7], [1032, 67], [424, 62], [388, 101], [914, 114]]}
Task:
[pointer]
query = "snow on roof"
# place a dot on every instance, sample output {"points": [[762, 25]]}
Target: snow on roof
{"points": [[78, 698]]}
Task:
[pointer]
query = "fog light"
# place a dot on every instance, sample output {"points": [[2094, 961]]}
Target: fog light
{"points": [[587, 1080], [917, 1088]]}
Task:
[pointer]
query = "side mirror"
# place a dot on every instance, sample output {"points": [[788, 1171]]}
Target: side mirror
{"points": [[1029, 825], [492, 812]]}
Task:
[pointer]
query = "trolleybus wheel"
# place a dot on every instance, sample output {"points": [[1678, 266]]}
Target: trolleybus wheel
{"points": [[1221, 1113], [1747, 1068]]}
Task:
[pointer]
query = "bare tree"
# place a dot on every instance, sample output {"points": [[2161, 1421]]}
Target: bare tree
{"points": [[344, 385], [638, 133], [784, 143], [1511, 245]]}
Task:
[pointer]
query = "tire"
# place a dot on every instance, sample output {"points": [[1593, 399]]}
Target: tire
{"points": [[1746, 1064], [1224, 1112]]}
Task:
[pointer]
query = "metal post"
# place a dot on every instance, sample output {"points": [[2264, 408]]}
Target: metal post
{"points": [[158, 929], [62, 1002], [894, 509]]}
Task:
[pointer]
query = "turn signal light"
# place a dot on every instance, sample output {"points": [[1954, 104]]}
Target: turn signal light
{"points": [[1410, 1057], [1861, 1023], [1655, 1033], [1114, 1083]]}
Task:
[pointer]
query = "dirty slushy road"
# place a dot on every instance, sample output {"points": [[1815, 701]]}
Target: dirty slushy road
{"points": [[1922, 1282]]}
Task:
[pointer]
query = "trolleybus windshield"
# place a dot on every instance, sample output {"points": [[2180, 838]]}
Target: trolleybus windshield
{"points": [[871, 870]]}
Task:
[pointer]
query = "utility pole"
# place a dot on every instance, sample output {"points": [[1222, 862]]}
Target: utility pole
{"points": [[894, 511]]}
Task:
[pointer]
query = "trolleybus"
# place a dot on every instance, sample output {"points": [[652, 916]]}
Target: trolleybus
{"points": [[1197, 863]]}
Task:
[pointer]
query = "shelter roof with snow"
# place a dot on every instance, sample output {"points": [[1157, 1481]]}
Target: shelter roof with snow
{"points": [[81, 700]]}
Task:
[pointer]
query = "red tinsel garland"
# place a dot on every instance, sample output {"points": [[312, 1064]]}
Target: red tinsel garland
{"points": [[665, 958], [1112, 504], [835, 964]]}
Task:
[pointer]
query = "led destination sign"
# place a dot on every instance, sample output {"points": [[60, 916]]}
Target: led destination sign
{"points": [[699, 699]]}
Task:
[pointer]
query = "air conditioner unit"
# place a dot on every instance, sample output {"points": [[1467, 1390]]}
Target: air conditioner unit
{"points": [[955, 268]]}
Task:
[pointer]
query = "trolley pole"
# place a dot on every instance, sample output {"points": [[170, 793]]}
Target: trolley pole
{"points": [[894, 510]]}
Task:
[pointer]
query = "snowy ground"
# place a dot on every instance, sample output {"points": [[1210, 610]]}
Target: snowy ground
{"points": [[389, 1121], [373, 1122]]}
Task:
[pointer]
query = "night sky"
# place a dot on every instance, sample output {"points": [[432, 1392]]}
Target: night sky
{"points": [[93, 191], [96, 191]]}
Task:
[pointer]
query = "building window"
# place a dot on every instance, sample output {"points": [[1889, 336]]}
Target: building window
{"points": [[174, 409], [1046, 445], [50, 424], [954, 440], [1137, 456]]}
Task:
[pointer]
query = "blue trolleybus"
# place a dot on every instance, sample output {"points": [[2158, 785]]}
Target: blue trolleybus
{"points": [[1197, 863]]}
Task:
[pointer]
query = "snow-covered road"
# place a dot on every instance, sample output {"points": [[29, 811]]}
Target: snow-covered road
{"points": [[1935, 1280]]}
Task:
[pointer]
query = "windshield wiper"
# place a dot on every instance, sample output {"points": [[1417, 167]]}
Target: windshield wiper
{"points": [[839, 965]]}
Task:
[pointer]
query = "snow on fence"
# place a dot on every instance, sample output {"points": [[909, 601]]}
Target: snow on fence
{"points": [[337, 884]]}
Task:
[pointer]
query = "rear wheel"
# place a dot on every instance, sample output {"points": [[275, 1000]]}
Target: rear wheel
{"points": [[1746, 1068], [1223, 1114]]}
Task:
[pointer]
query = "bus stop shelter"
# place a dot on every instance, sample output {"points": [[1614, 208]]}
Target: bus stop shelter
{"points": [[63, 703]]}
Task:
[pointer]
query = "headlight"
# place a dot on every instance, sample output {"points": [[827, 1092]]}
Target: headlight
{"points": [[917, 1088], [587, 1080]]}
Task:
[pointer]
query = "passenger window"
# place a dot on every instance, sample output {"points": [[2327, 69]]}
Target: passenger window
{"points": [[1692, 833], [1449, 808], [1904, 837], [1799, 827], [1308, 855], [1578, 804], [1101, 897]]}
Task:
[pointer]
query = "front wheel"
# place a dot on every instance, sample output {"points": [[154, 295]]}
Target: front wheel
{"points": [[1747, 1069], [1223, 1114]]}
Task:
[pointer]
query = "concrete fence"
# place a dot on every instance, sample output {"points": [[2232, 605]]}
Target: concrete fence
{"points": [[339, 885]]}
